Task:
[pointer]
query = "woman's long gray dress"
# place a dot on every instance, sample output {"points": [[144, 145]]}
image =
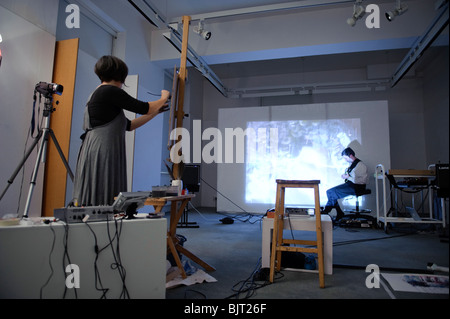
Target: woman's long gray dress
{"points": [[101, 172]]}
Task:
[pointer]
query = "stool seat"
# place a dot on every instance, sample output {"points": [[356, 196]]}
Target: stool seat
{"points": [[280, 244], [297, 182], [364, 192]]}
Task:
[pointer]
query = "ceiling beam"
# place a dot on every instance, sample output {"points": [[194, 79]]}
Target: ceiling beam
{"points": [[311, 88], [422, 43], [150, 13], [266, 8], [175, 38]]}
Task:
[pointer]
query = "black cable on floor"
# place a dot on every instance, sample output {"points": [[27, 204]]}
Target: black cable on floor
{"points": [[251, 284], [356, 241]]}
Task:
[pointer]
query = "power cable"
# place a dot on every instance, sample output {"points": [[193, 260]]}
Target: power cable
{"points": [[243, 217], [97, 251], [49, 262], [117, 258]]}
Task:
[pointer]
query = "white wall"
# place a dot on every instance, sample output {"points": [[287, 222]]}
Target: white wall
{"points": [[29, 36], [94, 42], [307, 32], [415, 107], [131, 45], [436, 114], [255, 193], [414, 143], [28, 32]]}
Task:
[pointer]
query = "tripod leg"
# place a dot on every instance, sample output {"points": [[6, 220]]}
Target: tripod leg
{"points": [[35, 172], [61, 154], [19, 167]]}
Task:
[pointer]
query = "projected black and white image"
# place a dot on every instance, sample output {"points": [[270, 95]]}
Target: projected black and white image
{"points": [[304, 150]]}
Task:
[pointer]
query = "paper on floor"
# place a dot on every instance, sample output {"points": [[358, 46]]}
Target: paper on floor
{"points": [[196, 278], [418, 283]]}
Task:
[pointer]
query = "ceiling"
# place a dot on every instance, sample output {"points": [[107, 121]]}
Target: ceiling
{"points": [[173, 10]]}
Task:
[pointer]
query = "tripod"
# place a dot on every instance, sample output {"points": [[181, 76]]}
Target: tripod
{"points": [[43, 135]]}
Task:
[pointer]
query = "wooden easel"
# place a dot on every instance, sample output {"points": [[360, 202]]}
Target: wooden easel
{"points": [[176, 117]]}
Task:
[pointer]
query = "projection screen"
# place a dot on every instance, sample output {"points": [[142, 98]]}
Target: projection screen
{"points": [[301, 142]]}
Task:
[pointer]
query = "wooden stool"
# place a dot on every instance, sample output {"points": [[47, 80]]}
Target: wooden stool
{"points": [[278, 240]]}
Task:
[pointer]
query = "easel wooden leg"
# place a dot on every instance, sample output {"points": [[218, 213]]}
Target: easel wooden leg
{"points": [[175, 214], [194, 258], [173, 250]]}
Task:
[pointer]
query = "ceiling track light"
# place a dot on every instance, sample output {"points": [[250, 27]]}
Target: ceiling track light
{"points": [[399, 10], [358, 13], [201, 31]]}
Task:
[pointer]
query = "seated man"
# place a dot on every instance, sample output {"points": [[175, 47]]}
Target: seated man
{"points": [[355, 178]]}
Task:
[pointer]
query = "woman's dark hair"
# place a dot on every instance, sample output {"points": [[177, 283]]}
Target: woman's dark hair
{"points": [[347, 152], [110, 68]]}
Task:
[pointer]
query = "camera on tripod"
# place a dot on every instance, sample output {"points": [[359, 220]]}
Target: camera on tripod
{"points": [[45, 132], [48, 89]]}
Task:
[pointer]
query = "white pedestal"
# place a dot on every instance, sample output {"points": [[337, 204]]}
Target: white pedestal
{"points": [[26, 254]]}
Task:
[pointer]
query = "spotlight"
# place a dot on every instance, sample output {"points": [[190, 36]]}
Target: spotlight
{"points": [[358, 13], [202, 32], [206, 34], [399, 10]]}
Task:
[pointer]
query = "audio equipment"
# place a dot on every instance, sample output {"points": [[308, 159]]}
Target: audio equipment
{"points": [[83, 214]]}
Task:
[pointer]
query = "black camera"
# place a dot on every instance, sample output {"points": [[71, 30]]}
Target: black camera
{"points": [[47, 89]]}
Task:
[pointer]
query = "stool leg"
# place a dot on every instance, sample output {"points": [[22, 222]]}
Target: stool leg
{"points": [[275, 235], [280, 227], [273, 249], [319, 238]]}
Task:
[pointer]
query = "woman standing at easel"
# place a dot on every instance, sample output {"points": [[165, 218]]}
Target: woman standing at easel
{"points": [[101, 172]]}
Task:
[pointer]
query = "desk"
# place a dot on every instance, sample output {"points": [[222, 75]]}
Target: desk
{"points": [[300, 223], [178, 203], [381, 175], [26, 254]]}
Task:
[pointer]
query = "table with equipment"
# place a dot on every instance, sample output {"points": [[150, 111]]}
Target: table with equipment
{"points": [[409, 180]]}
